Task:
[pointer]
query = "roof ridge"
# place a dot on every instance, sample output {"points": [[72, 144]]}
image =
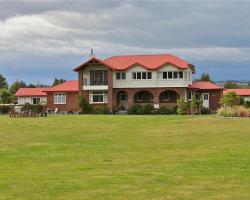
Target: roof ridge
{"points": [[134, 55]]}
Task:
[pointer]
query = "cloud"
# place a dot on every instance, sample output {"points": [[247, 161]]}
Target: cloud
{"points": [[196, 31]]}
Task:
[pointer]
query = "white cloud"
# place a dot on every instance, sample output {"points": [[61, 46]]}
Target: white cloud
{"points": [[124, 29]]}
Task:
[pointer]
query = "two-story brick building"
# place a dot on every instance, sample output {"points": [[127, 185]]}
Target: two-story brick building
{"points": [[121, 81]]}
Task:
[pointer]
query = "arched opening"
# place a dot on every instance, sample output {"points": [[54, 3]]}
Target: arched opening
{"points": [[169, 96], [143, 97], [122, 100]]}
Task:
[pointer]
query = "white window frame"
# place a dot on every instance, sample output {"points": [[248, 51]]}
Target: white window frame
{"points": [[60, 98], [139, 73], [205, 94], [37, 99], [104, 97], [121, 77], [189, 99]]}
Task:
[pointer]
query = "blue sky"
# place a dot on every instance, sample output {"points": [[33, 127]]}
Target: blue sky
{"points": [[41, 40]]}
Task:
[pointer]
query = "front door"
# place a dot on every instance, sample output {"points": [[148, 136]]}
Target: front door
{"points": [[123, 101], [205, 100]]}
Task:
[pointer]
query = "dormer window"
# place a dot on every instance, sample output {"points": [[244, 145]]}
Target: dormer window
{"points": [[120, 75], [142, 75]]}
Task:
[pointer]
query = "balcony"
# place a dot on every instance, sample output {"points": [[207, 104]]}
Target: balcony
{"points": [[95, 84]]}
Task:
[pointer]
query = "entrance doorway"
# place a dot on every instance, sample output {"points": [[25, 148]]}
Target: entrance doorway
{"points": [[122, 100]]}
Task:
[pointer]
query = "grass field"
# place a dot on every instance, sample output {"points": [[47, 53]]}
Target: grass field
{"points": [[125, 157]]}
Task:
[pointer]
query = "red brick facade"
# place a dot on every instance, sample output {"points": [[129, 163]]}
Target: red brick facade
{"points": [[71, 102]]}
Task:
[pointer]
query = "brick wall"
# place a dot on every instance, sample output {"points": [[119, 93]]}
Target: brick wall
{"points": [[71, 102]]}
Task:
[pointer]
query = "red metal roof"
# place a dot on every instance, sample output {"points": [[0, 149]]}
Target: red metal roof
{"points": [[68, 86], [28, 92], [150, 62], [239, 92], [205, 85]]}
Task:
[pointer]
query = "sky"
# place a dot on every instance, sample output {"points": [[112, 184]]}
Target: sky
{"points": [[41, 40]]}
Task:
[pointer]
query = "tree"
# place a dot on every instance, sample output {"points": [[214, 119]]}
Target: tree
{"points": [[205, 77], [229, 99], [230, 85], [194, 105], [16, 86], [182, 106], [6, 96], [3, 82], [58, 81]]}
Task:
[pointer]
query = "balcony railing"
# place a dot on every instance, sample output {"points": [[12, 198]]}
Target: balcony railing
{"points": [[100, 81]]}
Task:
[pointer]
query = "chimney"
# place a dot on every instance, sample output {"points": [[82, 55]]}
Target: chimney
{"points": [[91, 55]]}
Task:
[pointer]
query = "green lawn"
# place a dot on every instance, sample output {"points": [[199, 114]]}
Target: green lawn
{"points": [[125, 157]]}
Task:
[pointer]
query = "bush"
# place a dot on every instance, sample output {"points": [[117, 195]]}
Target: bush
{"points": [[100, 110], [34, 108], [148, 109], [136, 109], [247, 104], [205, 111], [167, 111], [84, 105], [236, 111], [5, 109]]}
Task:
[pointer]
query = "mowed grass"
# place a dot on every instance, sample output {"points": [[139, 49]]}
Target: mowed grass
{"points": [[125, 157]]}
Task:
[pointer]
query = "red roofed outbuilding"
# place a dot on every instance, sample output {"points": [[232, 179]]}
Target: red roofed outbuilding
{"points": [[31, 95], [244, 93]]}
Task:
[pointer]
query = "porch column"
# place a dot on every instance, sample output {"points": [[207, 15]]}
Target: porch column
{"points": [[110, 90], [130, 98]]}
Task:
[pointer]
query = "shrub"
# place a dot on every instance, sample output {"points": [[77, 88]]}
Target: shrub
{"points": [[100, 110], [163, 110], [247, 104], [236, 111], [148, 109], [84, 105], [205, 111], [167, 111], [5, 109], [136, 109], [34, 108]]}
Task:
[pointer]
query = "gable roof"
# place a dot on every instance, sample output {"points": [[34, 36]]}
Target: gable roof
{"points": [[68, 86], [239, 92], [150, 62], [28, 92], [205, 85]]}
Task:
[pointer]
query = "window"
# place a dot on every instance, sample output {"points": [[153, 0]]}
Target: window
{"points": [[175, 75], [120, 75], [35, 101], [138, 75], [98, 77], [149, 75], [181, 75], [142, 75], [165, 96], [189, 95], [60, 98], [134, 75], [170, 75], [205, 96], [139, 96], [165, 75], [197, 96], [98, 97]]}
